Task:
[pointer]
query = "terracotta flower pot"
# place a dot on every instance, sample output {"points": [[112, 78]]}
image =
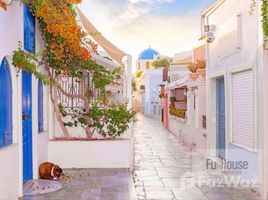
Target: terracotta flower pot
{"points": [[202, 73], [194, 76]]}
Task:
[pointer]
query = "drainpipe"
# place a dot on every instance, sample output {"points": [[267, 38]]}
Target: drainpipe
{"points": [[210, 151]]}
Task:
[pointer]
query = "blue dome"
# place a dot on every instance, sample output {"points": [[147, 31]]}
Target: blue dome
{"points": [[148, 54]]}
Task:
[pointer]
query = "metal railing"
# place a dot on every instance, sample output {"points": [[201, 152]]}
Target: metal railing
{"points": [[75, 86]]}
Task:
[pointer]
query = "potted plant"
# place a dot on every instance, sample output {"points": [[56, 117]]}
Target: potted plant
{"points": [[172, 99], [201, 64], [193, 69], [162, 95]]}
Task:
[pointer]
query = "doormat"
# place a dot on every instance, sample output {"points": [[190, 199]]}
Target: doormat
{"points": [[39, 186]]}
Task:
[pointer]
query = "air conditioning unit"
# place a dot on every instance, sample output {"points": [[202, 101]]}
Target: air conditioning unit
{"points": [[209, 28]]}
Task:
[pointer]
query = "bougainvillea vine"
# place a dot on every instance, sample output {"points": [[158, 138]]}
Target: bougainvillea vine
{"points": [[68, 52]]}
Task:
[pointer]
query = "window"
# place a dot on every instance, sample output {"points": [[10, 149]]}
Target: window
{"points": [[204, 121], [139, 66], [40, 107], [147, 65], [5, 104], [29, 30], [243, 133]]}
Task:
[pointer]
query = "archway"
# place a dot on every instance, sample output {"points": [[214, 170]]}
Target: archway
{"points": [[5, 104]]}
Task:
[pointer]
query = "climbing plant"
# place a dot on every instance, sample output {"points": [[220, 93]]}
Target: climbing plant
{"points": [[3, 5], [264, 14], [68, 52]]}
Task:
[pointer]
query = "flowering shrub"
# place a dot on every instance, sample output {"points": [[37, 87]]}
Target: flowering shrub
{"points": [[192, 67], [181, 113], [201, 64], [68, 51], [172, 99], [3, 5], [162, 95]]}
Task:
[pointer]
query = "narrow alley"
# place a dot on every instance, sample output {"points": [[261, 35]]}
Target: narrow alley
{"points": [[164, 168]]}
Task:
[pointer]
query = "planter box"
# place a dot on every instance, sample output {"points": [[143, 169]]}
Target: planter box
{"points": [[182, 120], [193, 76], [91, 154], [202, 73]]}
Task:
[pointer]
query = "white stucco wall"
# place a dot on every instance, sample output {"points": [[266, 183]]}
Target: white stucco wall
{"points": [[233, 50], [91, 154], [141, 65], [264, 124], [153, 79], [236, 33], [11, 157], [263, 110], [190, 130], [9, 172]]}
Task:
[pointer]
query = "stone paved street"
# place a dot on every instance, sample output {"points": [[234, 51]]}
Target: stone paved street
{"points": [[163, 165], [92, 184]]}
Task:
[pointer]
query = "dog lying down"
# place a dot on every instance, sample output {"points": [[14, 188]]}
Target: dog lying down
{"points": [[50, 171]]}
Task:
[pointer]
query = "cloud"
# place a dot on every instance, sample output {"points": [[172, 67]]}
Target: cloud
{"points": [[132, 12], [167, 35], [132, 25], [150, 1]]}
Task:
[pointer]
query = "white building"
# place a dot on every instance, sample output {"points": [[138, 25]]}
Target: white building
{"points": [[190, 97], [27, 147], [27, 121], [235, 89], [149, 82]]}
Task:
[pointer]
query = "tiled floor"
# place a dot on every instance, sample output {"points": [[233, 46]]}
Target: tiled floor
{"points": [[165, 169], [40, 186], [92, 184]]}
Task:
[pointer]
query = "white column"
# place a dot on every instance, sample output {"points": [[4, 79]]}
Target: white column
{"points": [[19, 129], [189, 107], [262, 110], [128, 81], [197, 109], [35, 126], [51, 117], [128, 97]]}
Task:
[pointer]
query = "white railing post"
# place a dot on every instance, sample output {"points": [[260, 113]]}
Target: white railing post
{"points": [[129, 81], [128, 97]]}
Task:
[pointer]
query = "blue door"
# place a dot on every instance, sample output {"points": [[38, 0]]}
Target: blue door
{"points": [[5, 104], [29, 45], [27, 125], [220, 118], [29, 30]]}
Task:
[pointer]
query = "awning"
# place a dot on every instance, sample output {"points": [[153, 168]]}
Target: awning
{"points": [[114, 52]]}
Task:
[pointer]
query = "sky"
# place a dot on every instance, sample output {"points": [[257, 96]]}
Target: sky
{"points": [[168, 26]]}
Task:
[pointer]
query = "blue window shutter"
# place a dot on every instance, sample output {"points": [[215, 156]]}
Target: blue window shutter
{"points": [[2, 105], [29, 30], [40, 107], [5, 104]]}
